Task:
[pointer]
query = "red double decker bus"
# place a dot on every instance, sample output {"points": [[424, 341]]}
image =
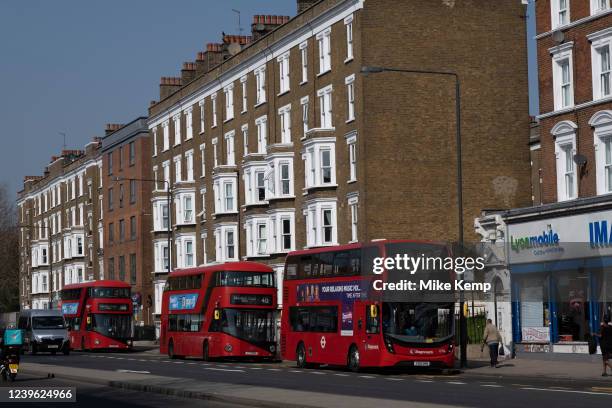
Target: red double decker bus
{"points": [[98, 314], [225, 310], [331, 315]]}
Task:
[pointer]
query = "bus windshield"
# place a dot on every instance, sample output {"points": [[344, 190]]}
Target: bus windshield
{"points": [[48, 323], [255, 326], [418, 322], [110, 292], [229, 278], [115, 326]]}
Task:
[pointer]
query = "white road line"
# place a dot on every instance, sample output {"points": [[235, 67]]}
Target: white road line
{"points": [[224, 369], [570, 391], [255, 368], [295, 371], [239, 367], [425, 381], [491, 385], [366, 376], [205, 364], [191, 363], [178, 362], [394, 379], [456, 382], [143, 360], [317, 372], [341, 375], [273, 369], [133, 371]]}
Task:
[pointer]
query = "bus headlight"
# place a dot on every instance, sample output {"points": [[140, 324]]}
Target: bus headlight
{"points": [[228, 348], [96, 341]]}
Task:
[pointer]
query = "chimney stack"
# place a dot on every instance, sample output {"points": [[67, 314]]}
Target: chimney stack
{"points": [[188, 72], [112, 127], [233, 44], [207, 60], [263, 24], [168, 85]]}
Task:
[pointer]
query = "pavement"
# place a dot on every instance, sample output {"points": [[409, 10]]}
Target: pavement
{"points": [[518, 382]]}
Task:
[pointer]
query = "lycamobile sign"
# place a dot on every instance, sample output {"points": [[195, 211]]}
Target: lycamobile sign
{"points": [[599, 234], [545, 239]]}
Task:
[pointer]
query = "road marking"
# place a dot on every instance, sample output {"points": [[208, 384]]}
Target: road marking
{"points": [[341, 375], [425, 381], [295, 371], [394, 379], [317, 372], [133, 371], [191, 363], [273, 369], [143, 360], [456, 382], [255, 368], [491, 385], [366, 376], [178, 362], [570, 391], [224, 369], [239, 367], [206, 364]]}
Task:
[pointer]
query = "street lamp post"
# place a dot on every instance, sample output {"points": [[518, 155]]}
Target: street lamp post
{"points": [[376, 70]]}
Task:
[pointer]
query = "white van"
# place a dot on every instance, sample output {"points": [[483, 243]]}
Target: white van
{"points": [[44, 330]]}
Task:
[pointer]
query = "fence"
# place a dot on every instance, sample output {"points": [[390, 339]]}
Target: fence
{"points": [[476, 322]]}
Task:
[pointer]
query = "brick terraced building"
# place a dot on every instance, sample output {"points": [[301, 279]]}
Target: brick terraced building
{"points": [[284, 144]]}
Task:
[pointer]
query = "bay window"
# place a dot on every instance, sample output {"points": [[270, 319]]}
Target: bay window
{"points": [[321, 222], [225, 242], [224, 186]]}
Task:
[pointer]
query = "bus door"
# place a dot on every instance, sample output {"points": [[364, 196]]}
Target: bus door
{"points": [[370, 334]]}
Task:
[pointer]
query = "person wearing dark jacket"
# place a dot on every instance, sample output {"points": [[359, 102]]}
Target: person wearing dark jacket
{"points": [[605, 343]]}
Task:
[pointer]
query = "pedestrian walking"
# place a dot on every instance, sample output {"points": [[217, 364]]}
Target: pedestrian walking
{"points": [[491, 338], [605, 343]]}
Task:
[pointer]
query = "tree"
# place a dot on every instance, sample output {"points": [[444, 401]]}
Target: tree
{"points": [[9, 253]]}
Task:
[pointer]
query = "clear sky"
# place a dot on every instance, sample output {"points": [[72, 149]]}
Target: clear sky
{"points": [[71, 66]]}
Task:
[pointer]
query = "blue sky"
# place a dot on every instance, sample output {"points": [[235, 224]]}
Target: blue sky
{"points": [[71, 66]]}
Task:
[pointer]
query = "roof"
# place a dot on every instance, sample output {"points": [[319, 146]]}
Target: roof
{"points": [[97, 284], [245, 266], [358, 245]]}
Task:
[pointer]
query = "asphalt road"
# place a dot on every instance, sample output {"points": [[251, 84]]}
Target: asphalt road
{"points": [[94, 395], [458, 390]]}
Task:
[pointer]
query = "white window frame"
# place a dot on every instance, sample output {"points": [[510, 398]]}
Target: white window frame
{"points": [[351, 141], [178, 169], [314, 212], [214, 142], [203, 160], [154, 137], [274, 179], [213, 101], [598, 6], [230, 153], [229, 102], [556, 10], [325, 107], [304, 61], [348, 24], [166, 170], [560, 55], [353, 205], [189, 165], [304, 104], [602, 132], [262, 134], [350, 97], [260, 85], [312, 161], [254, 238], [284, 118], [219, 190], [177, 129], [202, 116], [222, 232], [245, 139], [565, 136], [283, 73], [166, 133], [324, 45], [188, 123], [243, 84], [599, 41], [251, 187]]}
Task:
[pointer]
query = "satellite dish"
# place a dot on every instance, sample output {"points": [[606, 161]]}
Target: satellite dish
{"points": [[260, 27], [558, 36], [234, 48], [580, 159]]}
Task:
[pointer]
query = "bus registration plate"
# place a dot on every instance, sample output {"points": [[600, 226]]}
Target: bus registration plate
{"points": [[250, 353], [421, 363]]}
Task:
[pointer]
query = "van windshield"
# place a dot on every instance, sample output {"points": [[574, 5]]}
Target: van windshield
{"points": [[48, 323]]}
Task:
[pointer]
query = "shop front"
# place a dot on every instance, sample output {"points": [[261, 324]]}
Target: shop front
{"points": [[561, 277]]}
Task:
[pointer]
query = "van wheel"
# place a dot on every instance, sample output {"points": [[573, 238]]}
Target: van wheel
{"points": [[352, 362], [205, 352], [171, 350], [301, 356]]}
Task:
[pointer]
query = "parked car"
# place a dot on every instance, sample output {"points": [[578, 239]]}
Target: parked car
{"points": [[44, 330]]}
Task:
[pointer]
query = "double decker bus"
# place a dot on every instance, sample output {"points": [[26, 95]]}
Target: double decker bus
{"points": [[331, 315], [98, 314], [225, 310]]}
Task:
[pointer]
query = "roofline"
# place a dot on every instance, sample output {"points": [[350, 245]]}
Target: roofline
{"points": [[241, 266]]}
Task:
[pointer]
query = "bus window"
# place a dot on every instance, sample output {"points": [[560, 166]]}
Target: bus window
{"points": [[326, 260], [315, 266], [305, 270], [372, 319], [291, 268], [320, 319]]}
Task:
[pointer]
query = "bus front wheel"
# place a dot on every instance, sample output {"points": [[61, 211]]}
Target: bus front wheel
{"points": [[301, 356], [205, 352], [353, 359]]}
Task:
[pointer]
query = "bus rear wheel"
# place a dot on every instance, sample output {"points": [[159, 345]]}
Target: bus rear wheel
{"points": [[205, 352], [301, 356], [353, 359]]}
